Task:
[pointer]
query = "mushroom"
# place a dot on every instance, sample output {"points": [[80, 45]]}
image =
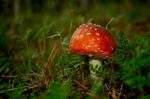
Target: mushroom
{"points": [[93, 40]]}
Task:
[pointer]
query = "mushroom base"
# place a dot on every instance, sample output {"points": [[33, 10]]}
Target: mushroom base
{"points": [[95, 66]]}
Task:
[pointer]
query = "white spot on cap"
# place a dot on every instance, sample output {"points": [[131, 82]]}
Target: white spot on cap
{"points": [[78, 31], [99, 49], [88, 33], [112, 48], [81, 36], [95, 29], [77, 37], [92, 39], [91, 27], [106, 56], [85, 30], [71, 45], [88, 46], [102, 51], [95, 24], [95, 45], [98, 39], [87, 25], [97, 34], [105, 53], [90, 23], [95, 50]]}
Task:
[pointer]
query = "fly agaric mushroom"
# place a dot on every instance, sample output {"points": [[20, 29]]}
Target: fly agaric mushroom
{"points": [[92, 39]]}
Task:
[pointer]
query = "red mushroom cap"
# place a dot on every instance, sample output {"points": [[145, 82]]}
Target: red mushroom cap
{"points": [[92, 39]]}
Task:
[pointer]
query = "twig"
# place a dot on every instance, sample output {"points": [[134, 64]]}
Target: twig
{"points": [[47, 67], [31, 87], [8, 76], [25, 88], [114, 96], [88, 91], [81, 85], [14, 76], [109, 22], [120, 91], [107, 89]]}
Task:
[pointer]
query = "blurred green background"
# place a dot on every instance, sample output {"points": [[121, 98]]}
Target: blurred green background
{"points": [[35, 61]]}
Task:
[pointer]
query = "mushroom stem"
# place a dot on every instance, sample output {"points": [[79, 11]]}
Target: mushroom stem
{"points": [[96, 66]]}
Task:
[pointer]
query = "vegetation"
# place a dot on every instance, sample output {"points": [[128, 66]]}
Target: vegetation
{"points": [[36, 61]]}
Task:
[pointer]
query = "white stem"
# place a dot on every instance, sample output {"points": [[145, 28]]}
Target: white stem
{"points": [[95, 65]]}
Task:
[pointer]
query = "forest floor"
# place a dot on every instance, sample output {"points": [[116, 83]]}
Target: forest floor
{"points": [[36, 61]]}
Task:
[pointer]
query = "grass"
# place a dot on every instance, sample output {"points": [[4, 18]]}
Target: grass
{"points": [[37, 63]]}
